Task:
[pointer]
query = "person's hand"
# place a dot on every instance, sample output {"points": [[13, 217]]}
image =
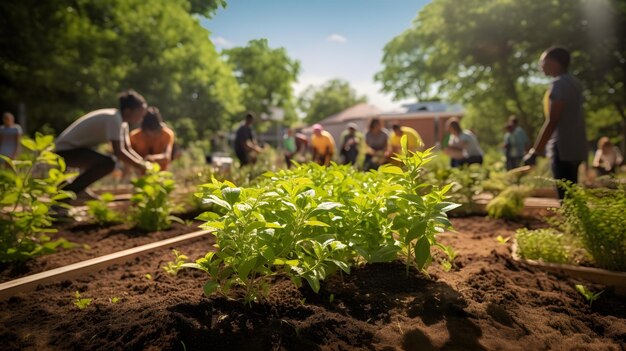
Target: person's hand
{"points": [[530, 159]]}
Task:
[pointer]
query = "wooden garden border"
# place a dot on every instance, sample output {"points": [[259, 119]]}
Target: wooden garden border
{"points": [[596, 275], [30, 282]]}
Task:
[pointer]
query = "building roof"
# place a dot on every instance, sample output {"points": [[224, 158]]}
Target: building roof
{"points": [[359, 111]]}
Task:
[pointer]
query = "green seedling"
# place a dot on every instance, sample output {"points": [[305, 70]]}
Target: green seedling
{"points": [[148, 276], [114, 299], [172, 268], [502, 240], [589, 295], [81, 303], [331, 298], [100, 211], [151, 203]]}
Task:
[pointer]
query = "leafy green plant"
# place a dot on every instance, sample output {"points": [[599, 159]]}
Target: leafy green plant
{"points": [[309, 222], [115, 299], [81, 303], [589, 295], [502, 240], [597, 218], [100, 211], [29, 189], [547, 245], [466, 182], [152, 208], [172, 268], [509, 203]]}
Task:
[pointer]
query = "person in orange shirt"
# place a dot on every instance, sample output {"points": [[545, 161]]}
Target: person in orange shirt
{"points": [[154, 140]]}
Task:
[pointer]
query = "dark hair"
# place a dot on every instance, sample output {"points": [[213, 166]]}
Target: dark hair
{"points": [[454, 124], [249, 117], [152, 120], [559, 55], [373, 122], [131, 99], [513, 120], [396, 126]]}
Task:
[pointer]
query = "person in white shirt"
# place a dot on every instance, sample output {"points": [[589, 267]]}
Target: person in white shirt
{"points": [[463, 145], [76, 143], [607, 158]]}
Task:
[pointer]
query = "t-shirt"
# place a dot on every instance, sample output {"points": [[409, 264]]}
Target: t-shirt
{"points": [[516, 142], [91, 130], [468, 142], [323, 144], [378, 142], [290, 143], [569, 137], [244, 133], [153, 145], [9, 136], [413, 142]]}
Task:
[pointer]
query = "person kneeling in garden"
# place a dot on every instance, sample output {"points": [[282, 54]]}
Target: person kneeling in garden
{"points": [[76, 143], [323, 145], [154, 141]]}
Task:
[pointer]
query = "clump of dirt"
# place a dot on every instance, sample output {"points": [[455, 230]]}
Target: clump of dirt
{"points": [[487, 301]]}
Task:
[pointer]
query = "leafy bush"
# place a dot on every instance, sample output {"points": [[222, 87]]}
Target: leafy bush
{"points": [[547, 245], [26, 200], [312, 221], [597, 218], [151, 206], [509, 203], [467, 182], [100, 211]]}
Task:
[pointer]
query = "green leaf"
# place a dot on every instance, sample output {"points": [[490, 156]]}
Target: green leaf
{"points": [[244, 269], [210, 287], [314, 223], [314, 283], [422, 252], [231, 195], [416, 231], [389, 169]]}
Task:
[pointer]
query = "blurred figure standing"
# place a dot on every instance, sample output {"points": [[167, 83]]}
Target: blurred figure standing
{"points": [[323, 145], [563, 134], [607, 158], [376, 140], [10, 135], [350, 144], [516, 143], [245, 142], [290, 146], [463, 145]]}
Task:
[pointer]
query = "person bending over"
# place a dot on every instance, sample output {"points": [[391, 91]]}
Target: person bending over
{"points": [[323, 145], [154, 141]]}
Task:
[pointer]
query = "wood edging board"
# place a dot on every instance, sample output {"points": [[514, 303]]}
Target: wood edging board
{"points": [[596, 275], [31, 282]]}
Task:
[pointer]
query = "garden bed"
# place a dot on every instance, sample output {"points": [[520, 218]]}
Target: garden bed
{"points": [[487, 301]]}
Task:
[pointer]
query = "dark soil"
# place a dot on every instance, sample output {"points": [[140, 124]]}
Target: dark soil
{"points": [[487, 302]]}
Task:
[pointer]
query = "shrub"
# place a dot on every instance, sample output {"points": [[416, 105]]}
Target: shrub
{"points": [[151, 206], [26, 200], [546, 245], [509, 203]]}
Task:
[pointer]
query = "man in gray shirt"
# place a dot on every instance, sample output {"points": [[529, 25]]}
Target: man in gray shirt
{"points": [[563, 134], [76, 143]]}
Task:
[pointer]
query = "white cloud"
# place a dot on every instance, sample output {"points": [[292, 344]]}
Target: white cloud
{"points": [[337, 38], [222, 42]]}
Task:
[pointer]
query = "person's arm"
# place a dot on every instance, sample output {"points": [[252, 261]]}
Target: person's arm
{"points": [[556, 111], [597, 159], [123, 151]]}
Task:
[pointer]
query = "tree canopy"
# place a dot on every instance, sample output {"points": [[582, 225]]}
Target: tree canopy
{"points": [[332, 97], [266, 76], [484, 54], [63, 58]]}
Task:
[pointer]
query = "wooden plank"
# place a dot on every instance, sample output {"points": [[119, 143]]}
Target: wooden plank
{"points": [[30, 282]]}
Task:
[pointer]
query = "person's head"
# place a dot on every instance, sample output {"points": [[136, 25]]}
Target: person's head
{"points": [[317, 129], [513, 120], [554, 61], [454, 126], [291, 132], [510, 127], [375, 125], [249, 118], [605, 144], [352, 128], [397, 129], [151, 123], [8, 119], [133, 106]]}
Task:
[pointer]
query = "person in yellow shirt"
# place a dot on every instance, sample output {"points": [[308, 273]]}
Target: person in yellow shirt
{"points": [[154, 140], [323, 145], [414, 141]]}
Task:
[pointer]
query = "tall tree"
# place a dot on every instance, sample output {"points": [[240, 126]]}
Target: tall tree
{"points": [[477, 51], [332, 97], [62, 58], [266, 76]]}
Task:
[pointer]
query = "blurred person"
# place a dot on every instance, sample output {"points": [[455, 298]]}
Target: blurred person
{"points": [[516, 143], [350, 144], [323, 145], [153, 141], [245, 142], [463, 145], [290, 145], [77, 142], [414, 141], [563, 134], [10, 135], [608, 158], [376, 141]]}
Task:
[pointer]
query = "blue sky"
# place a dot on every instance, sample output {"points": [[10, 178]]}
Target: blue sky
{"points": [[331, 38]]}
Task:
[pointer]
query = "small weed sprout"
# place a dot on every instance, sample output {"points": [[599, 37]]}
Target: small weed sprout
{"points": [[81, 303], [589, 295], [172, 268], [502, 240], [100, 211]]}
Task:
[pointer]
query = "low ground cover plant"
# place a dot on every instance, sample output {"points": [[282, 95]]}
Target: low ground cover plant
{"points": [[546, 245], [312, 221], [100, 211], [29, 188]]}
